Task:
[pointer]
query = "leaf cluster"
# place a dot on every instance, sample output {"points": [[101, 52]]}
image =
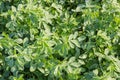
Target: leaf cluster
{"points": [[59, 40]]}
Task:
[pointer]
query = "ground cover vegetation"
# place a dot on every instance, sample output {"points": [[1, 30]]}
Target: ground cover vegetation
{"points": [[59, 39]]}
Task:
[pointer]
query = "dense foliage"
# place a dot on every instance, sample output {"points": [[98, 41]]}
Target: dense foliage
{"points": [[59, 40]]}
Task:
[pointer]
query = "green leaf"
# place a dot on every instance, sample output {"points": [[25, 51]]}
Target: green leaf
{"points": [[13, 69], [71, 37], [81, 38], [20, 61], [11, 25], [79, 8], [19, 41], [76, 43], [13, 9], [71, 44], [41, 70], [72, 59], [81, 62], [56, 71], [27, 58], [32, 67], [57, 7], [69, 68], [106, 51], [11, 62], [95, 71], [20, 6], [75, 64]]}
